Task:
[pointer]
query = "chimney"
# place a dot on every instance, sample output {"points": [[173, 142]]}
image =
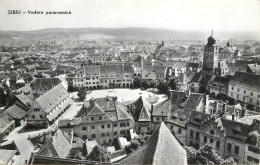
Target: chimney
{"points": [[224, 107], [44, 137], [162, 43], [169, 92], [206, 101], [233, 117], [188, 93], [215, 107], [211, 111], [151, 112], [243, 113]]}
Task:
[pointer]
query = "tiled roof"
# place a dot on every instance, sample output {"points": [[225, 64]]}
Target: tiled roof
{"points": [[220, 79], [254, 68], [52, 98], [45, 83], [236, 129], [25, 99], [246, 79], [109, 106], [48, 150], [180, 65], [61, 144], [5, 121], [16, 112], [115, 70], [142, 109], [6, 156], [160, 148], [178, 108], [237, 66], [197, 77]]}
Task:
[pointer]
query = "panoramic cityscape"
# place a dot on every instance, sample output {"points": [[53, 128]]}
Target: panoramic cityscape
{"points": [[127, 93]]}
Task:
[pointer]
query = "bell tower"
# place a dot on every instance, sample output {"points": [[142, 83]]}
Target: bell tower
{"points": [[210, 57]]}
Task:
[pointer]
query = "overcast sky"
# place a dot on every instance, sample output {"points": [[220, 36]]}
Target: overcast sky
{"points": [[220, 15]]}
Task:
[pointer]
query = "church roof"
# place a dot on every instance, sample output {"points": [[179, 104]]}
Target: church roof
{"points": [[160, 148]]}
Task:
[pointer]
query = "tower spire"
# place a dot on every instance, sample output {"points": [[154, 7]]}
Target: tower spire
{"points": [[212, 32]]}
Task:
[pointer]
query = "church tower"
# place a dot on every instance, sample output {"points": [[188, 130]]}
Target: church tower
{"points": [[210, 58]]}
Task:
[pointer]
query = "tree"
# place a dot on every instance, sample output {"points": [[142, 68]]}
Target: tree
{"points": [[99, 154], [139, 138], [136, 83], [134, 145], [145, 85], [205, 155], [172, 84], [82, 94], [162, 87]]}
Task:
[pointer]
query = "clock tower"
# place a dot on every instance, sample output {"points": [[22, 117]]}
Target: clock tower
{"points": [[210, 58]]}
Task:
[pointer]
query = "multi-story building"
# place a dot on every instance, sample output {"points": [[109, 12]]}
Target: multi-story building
{"points": [[219, 86], [229, 138], [244, 87], [48, 107], [176, 111], [103, 119], [104, 76], [229, 52]]}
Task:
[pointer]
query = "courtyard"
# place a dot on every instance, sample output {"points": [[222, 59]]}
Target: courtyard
{"points": [[126, 94]]}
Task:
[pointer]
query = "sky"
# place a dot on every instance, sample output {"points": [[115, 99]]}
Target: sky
{"points": [[197, 15]]}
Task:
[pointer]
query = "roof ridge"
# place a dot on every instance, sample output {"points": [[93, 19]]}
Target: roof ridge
{"points": [[158, 148]]}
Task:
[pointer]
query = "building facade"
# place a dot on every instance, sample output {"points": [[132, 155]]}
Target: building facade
{"points": [[103, 119]]}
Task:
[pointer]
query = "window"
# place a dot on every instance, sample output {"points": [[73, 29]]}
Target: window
{"points": [[197, 135], [33, 116], [103, 135], [108, 125], [232, 88], [205, 139], [212, 132], [218, 144], [127, 124], [191, 134], [92, 118], [157, 118], [229, 146], [179, 130], [115, 125], [122, 124], [237, 150], [41, 117], [84, 137], [211, 140], [244, 91], [148, 128], [108, 134], [100, 117], [254, 149], [251, 94], [252, 159], [93, 136], [102, 126], [244, 97], [93, 127], [115, 133], [238, 89], [84, 128]]}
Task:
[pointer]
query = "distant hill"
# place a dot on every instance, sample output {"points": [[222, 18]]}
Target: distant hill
{"points": [[120, 33]]}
